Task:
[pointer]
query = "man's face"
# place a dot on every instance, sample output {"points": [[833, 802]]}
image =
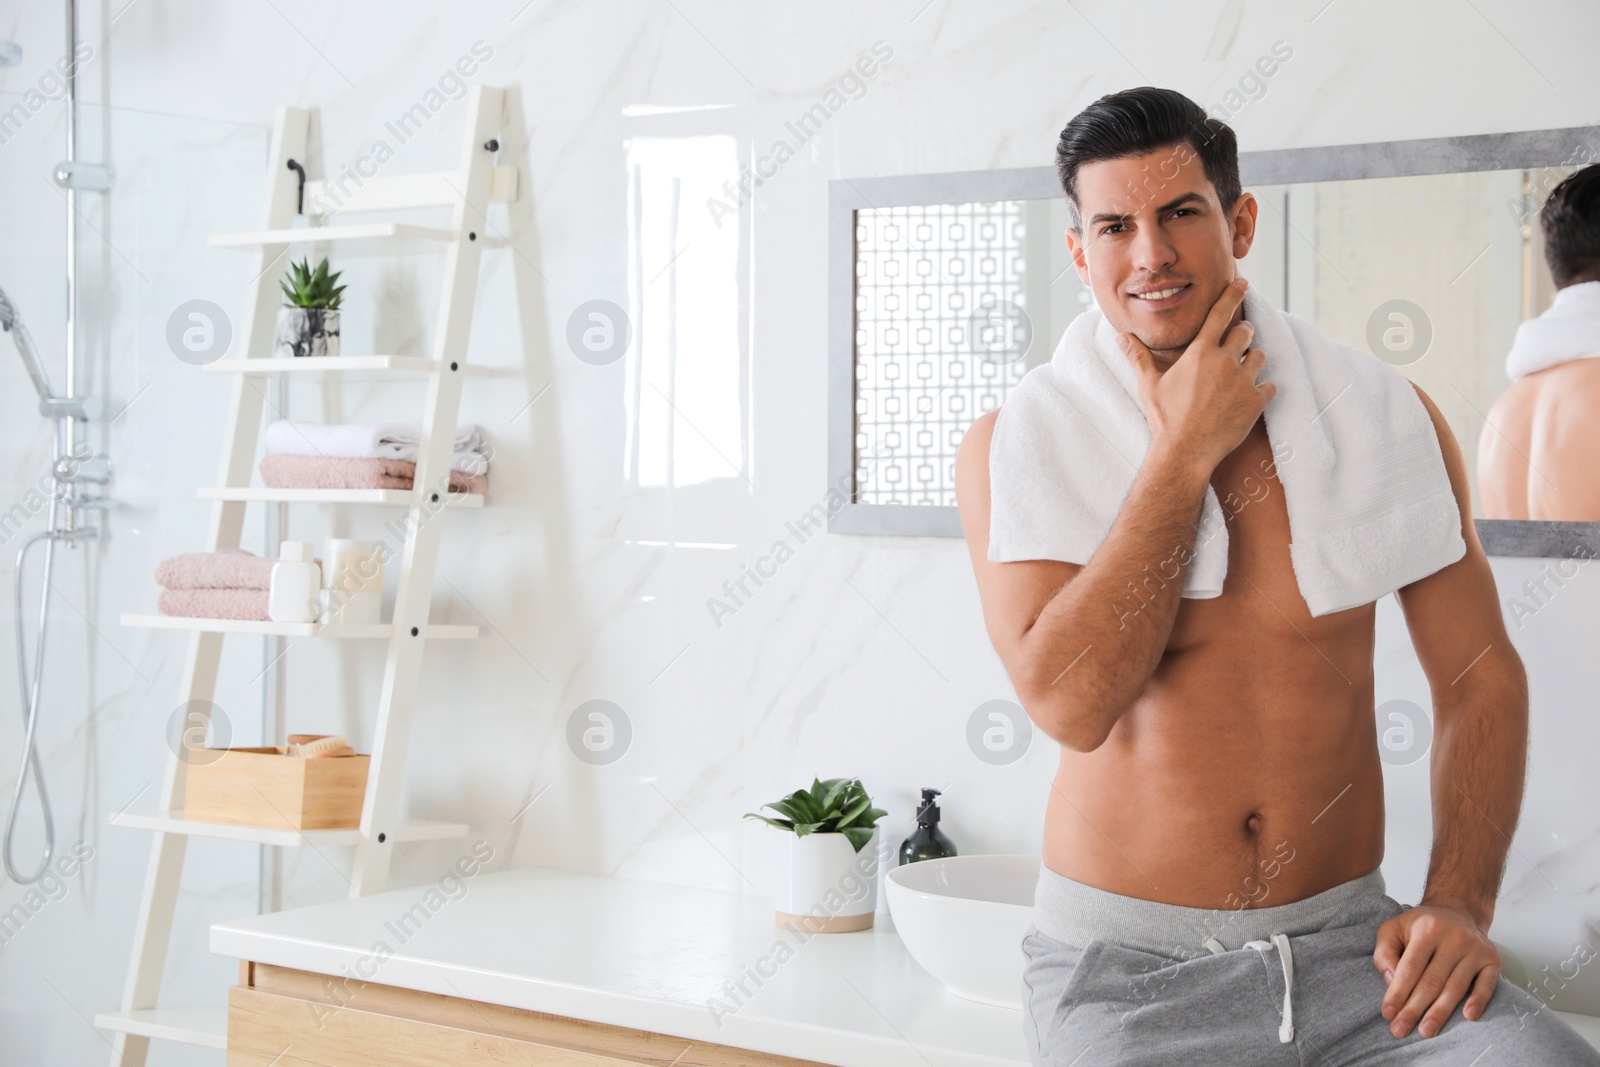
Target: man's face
{"points": [[1156, 246]]}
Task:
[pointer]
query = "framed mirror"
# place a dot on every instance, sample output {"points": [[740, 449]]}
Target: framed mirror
{"points": [[944, 289]]}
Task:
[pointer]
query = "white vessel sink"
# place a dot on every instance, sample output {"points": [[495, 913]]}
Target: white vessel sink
{"points": [[963, 919]]}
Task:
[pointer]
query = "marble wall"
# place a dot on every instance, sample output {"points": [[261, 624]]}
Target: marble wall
{"points": [[626, 494]]}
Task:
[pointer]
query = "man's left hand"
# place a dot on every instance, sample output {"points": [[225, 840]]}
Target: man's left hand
{"points": [[1432, 956]]}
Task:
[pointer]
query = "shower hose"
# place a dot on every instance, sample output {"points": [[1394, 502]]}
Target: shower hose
{"points": [[31, 688]]}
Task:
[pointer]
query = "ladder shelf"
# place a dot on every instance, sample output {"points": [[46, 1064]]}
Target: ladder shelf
{"points": [[261, 627], [269, 494], [173, 822], [467, 193], [364, 231], [346, 367]]}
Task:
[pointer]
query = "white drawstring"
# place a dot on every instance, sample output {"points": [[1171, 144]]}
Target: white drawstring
{"points": [[1285, 957]]}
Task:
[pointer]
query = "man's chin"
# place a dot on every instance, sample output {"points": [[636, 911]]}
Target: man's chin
{"points": [[1166, 340], [1158, 332]]}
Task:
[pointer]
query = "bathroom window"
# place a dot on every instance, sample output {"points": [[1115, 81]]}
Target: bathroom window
{"points": [[686, 377], [940, 332]]}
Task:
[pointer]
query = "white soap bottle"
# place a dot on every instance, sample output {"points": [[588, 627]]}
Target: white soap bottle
{"points": [[295, 585]]}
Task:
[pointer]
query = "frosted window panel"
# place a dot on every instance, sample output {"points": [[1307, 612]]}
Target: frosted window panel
{"points": [[925, 367]]}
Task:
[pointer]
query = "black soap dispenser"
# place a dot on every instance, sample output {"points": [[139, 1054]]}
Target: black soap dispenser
{"points": [[927, 841]]}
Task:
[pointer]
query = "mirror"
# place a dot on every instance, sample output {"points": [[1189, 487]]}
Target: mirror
{"points": [[1426, 253], [1431, 273]]}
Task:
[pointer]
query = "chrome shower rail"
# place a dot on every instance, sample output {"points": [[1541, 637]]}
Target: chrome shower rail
{"points": [[73, 513]]}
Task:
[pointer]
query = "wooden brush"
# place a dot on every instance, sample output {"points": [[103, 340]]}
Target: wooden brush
{"points": [[319, 746]]}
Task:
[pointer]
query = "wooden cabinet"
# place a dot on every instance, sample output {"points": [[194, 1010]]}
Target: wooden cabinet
{"points": [[288, 1018]]}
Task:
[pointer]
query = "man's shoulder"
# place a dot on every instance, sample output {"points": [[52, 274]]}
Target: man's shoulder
{"points": [[1563, 399], [972, 457], [1582, 373]]}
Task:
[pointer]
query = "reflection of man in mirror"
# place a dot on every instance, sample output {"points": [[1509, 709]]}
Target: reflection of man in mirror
{"points": [[1537, 452], [1180, 526]]}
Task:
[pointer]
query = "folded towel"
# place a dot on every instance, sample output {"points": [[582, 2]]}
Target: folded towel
{"points": [[360, 441], [1569, 329], [1369, 501], [320, 472], [214, 603], [228, 569]]}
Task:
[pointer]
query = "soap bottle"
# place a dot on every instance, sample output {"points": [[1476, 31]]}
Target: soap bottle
{"points": [[292, 589], [927, 841]]}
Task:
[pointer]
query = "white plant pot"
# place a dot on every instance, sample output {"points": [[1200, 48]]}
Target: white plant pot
{"points": [[822, 885], [306, 332]]}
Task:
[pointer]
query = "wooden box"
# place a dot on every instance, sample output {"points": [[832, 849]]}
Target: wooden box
{"points": [[266, 787]]}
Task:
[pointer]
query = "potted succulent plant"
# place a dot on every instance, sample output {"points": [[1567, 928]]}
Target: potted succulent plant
{"points": [[825, 877], [308, 324]]}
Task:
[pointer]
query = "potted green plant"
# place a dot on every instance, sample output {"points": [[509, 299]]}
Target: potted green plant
{"points": [[825, 870], [308, 323]]}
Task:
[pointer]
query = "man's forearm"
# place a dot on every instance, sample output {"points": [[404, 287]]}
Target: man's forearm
{"points": [[1097, 641], [1478, 767]]}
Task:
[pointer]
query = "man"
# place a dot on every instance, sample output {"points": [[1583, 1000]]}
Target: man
{"points": [[1213, 834], [1536, 451]]}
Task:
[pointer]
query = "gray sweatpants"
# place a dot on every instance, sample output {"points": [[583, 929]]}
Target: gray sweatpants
{"points": [[1113, 981]]}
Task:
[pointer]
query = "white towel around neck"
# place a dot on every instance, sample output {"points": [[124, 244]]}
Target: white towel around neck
{"points": [[1369, 501], [1568, 330]]}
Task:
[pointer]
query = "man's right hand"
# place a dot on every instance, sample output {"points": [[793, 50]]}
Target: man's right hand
{"points": [[1206, 403]]}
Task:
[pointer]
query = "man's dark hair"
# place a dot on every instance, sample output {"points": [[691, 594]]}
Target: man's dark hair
{"points": [[1570, 220], [1137, 121]]}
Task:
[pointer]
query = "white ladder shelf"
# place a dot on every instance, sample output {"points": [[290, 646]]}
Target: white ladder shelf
{"points": [[468, 193]]}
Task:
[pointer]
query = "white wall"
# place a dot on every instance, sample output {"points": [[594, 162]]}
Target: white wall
{"points": [[864, 656]]}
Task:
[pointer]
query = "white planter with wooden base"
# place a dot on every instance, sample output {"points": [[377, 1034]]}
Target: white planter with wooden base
{"points": [[823, 885]]}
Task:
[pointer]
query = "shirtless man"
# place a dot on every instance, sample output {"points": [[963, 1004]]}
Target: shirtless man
{"points": [[1536, 452], [1219, 758]]}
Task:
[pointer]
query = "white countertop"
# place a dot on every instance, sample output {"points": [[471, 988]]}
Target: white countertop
{"points": [[644, 955], [651, 956]]}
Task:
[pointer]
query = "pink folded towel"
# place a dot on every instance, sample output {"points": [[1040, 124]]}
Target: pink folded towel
{"points": [[324, 472], [229, 569], [214, 603]]}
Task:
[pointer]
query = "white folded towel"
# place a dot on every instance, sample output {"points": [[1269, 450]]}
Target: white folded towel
{"points": [[1369, 501], [1569, 329], [343, 440]]}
